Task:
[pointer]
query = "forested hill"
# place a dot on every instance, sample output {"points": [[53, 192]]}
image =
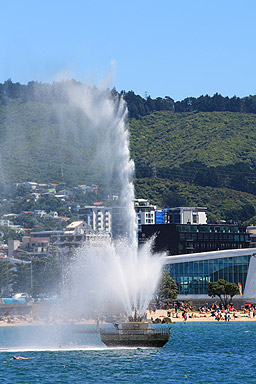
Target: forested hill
{"points": [[198, 151], [205, 158], [207, 148], [137, 105]]}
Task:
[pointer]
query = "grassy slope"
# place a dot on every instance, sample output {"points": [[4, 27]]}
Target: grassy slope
{"points": [[213, 138]]}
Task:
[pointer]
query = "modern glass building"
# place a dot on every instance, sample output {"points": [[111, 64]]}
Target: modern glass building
{"points": [[193, 272], [177, 239]]}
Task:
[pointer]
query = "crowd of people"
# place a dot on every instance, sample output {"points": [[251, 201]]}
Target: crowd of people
{"points": [[208, 311]]}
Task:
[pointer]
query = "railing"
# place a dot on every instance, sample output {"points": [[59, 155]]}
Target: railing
{"points": [[161, 331]]}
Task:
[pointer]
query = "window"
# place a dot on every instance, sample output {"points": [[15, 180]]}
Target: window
{"points": [[195, 218], [193, 277]]}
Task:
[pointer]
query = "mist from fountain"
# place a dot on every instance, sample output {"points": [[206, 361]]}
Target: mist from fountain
{"points": [[111, 277]]}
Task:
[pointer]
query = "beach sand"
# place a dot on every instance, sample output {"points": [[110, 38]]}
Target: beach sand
{"points": [[194, 316]]}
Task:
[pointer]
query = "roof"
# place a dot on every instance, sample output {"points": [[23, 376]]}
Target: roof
{"points": [[187, 208], [74, 224], [13, 260]]}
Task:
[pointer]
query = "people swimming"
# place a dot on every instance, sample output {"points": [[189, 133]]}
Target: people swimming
{"points": [[19, 358]]}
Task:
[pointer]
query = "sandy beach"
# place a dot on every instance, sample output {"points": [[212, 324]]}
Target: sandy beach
{"points": [[193, 316]]}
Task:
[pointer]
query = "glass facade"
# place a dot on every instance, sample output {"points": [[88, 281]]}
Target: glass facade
{"points": [[193, 277], [200, 238]]}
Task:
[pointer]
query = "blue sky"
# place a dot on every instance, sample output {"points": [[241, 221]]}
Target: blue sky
{"points": [[177, 48]]}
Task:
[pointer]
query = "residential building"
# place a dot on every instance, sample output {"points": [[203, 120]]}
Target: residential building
{"points": [[5, 223], [47, 243], [12, 246], [29, 247], [9, 224], [145, 212], [181, 215], [76, 228], [30, 186], [97, 218]]}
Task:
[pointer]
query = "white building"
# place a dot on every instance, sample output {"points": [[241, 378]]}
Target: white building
{"points": [[75, 228], [104, 219], [98, 218], [5, 223], [192, 272], [186, 215], [145, 212]]}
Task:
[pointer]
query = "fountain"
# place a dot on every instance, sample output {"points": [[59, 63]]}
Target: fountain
{"points": [[135, 333], [114, 281]]}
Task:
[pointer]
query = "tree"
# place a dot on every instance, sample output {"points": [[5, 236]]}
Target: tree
{"points": [[174, 199], [167, 289], [8, 275], [23, 279], [224, 290]]}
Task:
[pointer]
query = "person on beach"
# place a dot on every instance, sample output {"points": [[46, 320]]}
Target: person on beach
{"points": [[184, 315]]}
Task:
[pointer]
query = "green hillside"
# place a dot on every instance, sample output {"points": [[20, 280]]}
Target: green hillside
{"points": [[184, 154], [212, 138], [199, 159]]}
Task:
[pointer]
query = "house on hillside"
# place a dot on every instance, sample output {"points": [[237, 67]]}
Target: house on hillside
{"points": [[30, 186], [50, 192], [66, 193], [34, 196], [39, 212]]}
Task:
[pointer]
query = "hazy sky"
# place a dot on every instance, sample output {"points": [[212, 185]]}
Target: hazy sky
{"points": [[177, 48]]}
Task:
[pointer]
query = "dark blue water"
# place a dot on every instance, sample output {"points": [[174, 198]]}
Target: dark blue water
{"points": [[196, 353]]}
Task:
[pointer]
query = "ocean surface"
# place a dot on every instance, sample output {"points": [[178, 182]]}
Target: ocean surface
{"points": [[196, 353]]}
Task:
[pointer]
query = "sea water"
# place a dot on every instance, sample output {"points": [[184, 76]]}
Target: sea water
{"points": [[196, 353]]}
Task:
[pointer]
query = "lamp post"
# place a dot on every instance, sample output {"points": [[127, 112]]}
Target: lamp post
{"points": [[31, 276]]}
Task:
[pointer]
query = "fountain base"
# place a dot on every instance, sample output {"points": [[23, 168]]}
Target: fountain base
{"points": [[135, 334]]}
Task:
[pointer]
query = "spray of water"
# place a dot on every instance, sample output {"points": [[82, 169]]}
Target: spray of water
{"points": [[106, 129], [111, 277]]}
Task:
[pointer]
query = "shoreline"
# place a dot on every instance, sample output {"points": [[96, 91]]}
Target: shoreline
{"points": [[192, 317]]}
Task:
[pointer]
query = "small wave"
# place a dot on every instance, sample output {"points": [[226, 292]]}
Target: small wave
{"points": [[63, 349]]}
